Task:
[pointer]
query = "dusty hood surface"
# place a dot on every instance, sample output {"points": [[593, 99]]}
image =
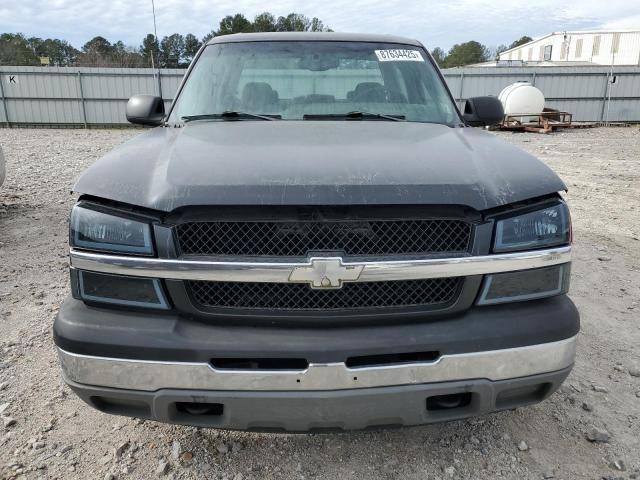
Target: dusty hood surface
{"points": [[317, 163]]}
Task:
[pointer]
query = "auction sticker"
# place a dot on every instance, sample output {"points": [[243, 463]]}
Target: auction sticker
{"points": [[399, 56]]}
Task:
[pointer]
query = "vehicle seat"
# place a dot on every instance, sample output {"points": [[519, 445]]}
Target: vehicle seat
{"points": [[374, 92], [315, 98], [259, 97], [368, 92]]}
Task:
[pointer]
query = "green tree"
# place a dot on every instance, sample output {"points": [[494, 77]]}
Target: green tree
{"points": [[237, 23], [171, 50], [15, 50], [97, 52], [148, 48], [318, 25], [119, 49], [209, 36], [439, 56], [191, 46], [520, 41], [98, 46], [265, 22], [59, 52], [294, 22], [501, 48], [126, 56], [466, 53]]}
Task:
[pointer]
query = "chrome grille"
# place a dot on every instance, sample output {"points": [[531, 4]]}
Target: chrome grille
{"points": [[434, 293], [299, 238]]}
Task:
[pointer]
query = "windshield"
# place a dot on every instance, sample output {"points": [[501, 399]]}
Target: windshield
{"points": [[315, 80]]}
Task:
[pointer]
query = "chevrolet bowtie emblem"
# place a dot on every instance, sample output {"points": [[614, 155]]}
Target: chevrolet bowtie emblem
{"points": [[326, 273]]}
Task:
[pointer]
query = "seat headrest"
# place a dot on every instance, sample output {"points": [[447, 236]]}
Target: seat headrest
{"points": [[368, 92], [258, 94]]}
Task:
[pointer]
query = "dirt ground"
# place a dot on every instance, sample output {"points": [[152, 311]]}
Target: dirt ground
{"points": [[46, 432]]}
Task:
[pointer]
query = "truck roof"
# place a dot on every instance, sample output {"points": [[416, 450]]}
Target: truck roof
{"points": [[312, 37]]}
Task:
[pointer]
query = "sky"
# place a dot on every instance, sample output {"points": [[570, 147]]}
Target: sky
{"points": [[436, 23]]}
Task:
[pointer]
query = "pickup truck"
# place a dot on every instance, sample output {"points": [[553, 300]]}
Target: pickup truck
{"points": [[313, 238]]}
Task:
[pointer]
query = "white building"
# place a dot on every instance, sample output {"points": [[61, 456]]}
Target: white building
{"points": [[620, 47]]}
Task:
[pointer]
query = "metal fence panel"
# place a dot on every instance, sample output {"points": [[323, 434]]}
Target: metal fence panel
{"points": [[77, 96], [586, 92], [98, 96]]}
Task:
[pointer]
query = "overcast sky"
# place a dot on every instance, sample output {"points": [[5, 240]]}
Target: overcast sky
{"points": [[434, 22]]}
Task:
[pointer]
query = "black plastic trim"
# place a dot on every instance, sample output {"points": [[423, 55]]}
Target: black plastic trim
{"points": [[167, 336], [316, 411]]}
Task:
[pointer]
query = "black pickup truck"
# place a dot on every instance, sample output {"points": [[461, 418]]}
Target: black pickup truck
{"points": [[313, 238]]}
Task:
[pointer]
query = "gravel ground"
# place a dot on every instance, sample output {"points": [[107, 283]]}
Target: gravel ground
{"points": [[46, 432]]}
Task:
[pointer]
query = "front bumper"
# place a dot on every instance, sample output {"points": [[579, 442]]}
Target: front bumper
{"points": [[150, 365], [152, 376], [321, 411]]}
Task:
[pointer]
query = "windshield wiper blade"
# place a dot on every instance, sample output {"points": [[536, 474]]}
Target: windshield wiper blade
{"points": [[230, 115], [355, 115]]}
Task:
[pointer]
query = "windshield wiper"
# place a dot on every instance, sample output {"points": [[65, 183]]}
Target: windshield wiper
{"points": [[230, 115], [355, 115]]}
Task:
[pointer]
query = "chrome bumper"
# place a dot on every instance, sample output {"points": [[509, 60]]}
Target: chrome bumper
{"points": [[152, 376]]}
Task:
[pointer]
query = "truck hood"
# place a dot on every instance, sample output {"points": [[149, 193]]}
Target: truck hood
{"points": [[317, 163]]}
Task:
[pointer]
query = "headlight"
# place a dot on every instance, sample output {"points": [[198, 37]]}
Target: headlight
{"points": [[104, 232], [547, 227]]}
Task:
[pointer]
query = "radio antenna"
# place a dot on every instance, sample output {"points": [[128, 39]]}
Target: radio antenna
{"points": [[155, 38]]}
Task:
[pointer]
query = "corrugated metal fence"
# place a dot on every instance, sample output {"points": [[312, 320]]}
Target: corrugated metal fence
{"points": [[593, 94], [97, 96], [65, 96]]}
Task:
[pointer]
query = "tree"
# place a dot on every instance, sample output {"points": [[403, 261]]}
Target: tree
{"points": [[171, 50], [265, 22], [520, 41], [119, 51], [15, 50], [148, 48], [237, 23], [209, 36], [466, 53], [317, 25], [59, 52], [97, 52], [98, 46], [294, 22], [191, 46], [501, 48], [126, 56], [439, 56]]}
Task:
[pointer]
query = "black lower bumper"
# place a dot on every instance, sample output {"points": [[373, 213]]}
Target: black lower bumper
{"points": [[157, 336], [310, 411]]}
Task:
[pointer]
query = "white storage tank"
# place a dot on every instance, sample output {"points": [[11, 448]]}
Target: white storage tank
{"points": [[522, 98]]}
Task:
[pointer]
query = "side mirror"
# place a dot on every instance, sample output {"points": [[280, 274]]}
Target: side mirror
{"points": [[145, 110], [481, 111]]}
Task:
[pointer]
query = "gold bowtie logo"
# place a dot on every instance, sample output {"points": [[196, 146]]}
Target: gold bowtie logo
{"points": [[326, 273]]}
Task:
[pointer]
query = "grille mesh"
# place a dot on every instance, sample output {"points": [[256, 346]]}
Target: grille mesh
{"points": [[368, 237], [438, 292]]}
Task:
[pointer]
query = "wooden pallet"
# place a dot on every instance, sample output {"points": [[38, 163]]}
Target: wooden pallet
{"points": [[546, 122]]}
